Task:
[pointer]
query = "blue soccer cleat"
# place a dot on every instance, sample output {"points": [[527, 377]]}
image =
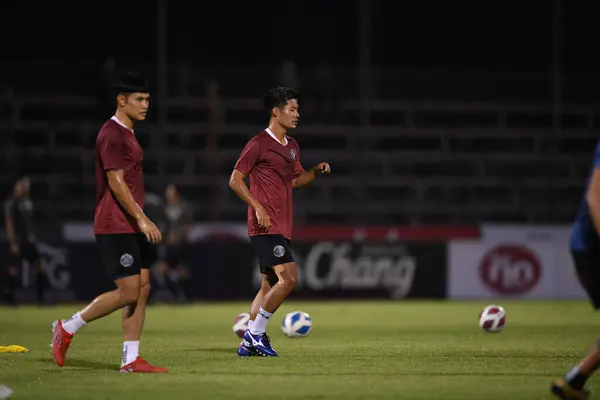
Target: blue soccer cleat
{"points": [[261, 343], [245, 349]]}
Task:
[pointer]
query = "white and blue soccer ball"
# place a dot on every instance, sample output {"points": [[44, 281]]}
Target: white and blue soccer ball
{"points": [[297, 324]]}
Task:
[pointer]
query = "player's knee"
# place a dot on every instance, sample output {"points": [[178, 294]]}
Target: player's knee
{"points": [[293, 280], [288, 281]]}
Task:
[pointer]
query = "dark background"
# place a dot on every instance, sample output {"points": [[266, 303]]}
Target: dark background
{"points": [[419, 106], [429, 112], [495, 35]]}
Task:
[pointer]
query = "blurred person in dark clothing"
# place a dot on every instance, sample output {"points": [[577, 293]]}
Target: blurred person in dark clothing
{"points": [[20, 229], [154, 209], [171, 273]]}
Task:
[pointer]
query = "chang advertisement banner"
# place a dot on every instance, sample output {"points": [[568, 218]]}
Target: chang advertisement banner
{"points": [[363, 270], [338, 263]]}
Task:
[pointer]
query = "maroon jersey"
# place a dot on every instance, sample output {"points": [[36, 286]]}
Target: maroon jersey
{"points": [[117, 148], [272, 166]]}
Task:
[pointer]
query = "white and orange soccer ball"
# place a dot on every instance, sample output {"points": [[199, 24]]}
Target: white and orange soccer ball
{"points": [[241, 324], [492, 318]]}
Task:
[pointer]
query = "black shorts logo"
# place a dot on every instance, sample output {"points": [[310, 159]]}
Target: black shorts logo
{"points": [[278, 251], [126, 260]]}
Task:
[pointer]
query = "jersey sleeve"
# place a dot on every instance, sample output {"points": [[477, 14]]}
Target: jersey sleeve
{"points": [[298, 169], [249, 157], [111, 149]]}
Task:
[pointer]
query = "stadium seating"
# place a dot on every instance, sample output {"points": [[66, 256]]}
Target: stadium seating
{"points": [[437, 148]]}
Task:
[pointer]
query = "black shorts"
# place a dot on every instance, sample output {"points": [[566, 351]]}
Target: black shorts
{"points": [[587, 264], [272, 250], [27, 251], [125, 254]]}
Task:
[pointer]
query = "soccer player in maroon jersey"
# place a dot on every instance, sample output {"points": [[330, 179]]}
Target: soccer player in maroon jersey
{"points": [[123, 232], [272, 160]]}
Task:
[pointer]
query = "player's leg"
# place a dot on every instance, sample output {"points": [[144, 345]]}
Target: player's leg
{"points": [[274, 253], [119, 255], [288, 277], [268, 278], [63, 331], [121, 258], [134, 316], [572, 385]]}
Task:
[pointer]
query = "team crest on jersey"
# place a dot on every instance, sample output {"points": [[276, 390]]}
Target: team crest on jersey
{"points": [[293, 154], [126, 260], [278, 251]]}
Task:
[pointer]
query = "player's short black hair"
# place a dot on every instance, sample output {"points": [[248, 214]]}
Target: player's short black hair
{"points": [[279, 96], [132, 83]]}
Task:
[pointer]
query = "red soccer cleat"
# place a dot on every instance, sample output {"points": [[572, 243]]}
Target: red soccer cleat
{"points": [[61, 340], [140, 365]]}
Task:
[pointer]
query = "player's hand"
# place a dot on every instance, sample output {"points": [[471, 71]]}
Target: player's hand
{"points": [[263, 219], [323, 169], [150, 230], [14, 248]]}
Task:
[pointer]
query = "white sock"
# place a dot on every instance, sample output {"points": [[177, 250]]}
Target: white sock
{"points": [[131, 350], [250, 323], [73, 324], [261, 321]]}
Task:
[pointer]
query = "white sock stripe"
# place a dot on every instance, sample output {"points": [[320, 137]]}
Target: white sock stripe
{"points": [[260, 323], [130, 352]]}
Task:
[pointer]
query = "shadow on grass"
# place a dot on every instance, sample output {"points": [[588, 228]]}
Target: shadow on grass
{"points": [[82, 364], [230, 350]]}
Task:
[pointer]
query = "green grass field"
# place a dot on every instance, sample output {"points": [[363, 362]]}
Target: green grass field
{"points": [[357, 350]]}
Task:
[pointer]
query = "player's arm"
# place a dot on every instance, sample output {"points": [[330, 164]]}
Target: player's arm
{"points": [[248, 159], [118, 187], [10, 225], [593, 198], [238, 185], [306, 177], [116, 182], [113, 157]]}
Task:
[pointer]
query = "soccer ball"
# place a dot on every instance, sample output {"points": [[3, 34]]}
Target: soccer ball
{"points": [[241, 324], [492, 318], [297, 324]]}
